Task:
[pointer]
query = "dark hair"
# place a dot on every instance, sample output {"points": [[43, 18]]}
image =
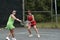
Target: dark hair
{"points": [[29, 11]]}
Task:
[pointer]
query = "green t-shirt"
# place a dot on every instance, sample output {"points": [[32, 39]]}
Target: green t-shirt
{"points": [[10, 20], [10, 23]]}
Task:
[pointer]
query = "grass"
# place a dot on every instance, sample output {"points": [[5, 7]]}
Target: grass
{"points": [[48, 25]]}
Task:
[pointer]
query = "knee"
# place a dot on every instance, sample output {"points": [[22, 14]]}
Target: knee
{"points": [[28, 28], [12, 31], [35, 27]]}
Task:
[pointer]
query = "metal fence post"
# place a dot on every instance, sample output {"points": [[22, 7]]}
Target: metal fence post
{"points": [[56, 11], [23, 10]]}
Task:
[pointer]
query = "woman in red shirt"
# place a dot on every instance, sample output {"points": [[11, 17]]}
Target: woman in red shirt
{"points": [[32, 23]]}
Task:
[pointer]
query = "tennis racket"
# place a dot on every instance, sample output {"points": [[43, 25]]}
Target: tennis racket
{"points": [[25, 23], [2, 29]]}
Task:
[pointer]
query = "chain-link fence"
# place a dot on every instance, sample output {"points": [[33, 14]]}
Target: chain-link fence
{"points": [[44, 12]]}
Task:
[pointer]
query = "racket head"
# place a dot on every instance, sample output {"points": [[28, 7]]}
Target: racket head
{"points": [[26, 23], [2, 29], [22, 23]]}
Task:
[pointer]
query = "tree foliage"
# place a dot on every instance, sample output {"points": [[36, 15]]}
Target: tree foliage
{"points": [[39, 5], [58, 5]]}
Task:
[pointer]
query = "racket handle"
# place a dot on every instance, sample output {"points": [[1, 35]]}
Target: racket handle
{"points": [[22, 23]]}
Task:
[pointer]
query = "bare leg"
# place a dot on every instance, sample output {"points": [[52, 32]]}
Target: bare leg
{"points": [[29, 29], [9, 34], [30, 34], [12, 32], [36, 30]]}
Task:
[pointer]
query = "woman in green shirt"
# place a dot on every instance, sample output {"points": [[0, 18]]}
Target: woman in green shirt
{"points": [[10, 25]]}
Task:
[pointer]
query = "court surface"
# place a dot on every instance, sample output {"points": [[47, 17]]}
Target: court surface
{"points": [[22, 34]]}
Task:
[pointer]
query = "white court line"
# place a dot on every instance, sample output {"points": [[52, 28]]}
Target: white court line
{"points": [[42, 33], [27, 33], [22, 33]]}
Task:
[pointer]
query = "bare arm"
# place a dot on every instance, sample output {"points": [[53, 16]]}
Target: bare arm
{"points": [[15, 18], [27, 17], [33, 17]]}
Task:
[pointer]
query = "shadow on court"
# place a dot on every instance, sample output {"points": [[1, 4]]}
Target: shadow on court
{"points": [[22, 34]]}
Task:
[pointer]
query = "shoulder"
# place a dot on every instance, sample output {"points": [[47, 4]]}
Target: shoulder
{"points": [[33, 15], [11, 15]]}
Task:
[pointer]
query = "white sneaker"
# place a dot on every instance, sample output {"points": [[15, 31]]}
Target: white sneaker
{"points": [[30, 35], [13, 38], [38, 35], [7, 38]]}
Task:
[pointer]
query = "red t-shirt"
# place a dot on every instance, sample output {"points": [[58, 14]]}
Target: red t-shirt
{"points": [[30, 18]]}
